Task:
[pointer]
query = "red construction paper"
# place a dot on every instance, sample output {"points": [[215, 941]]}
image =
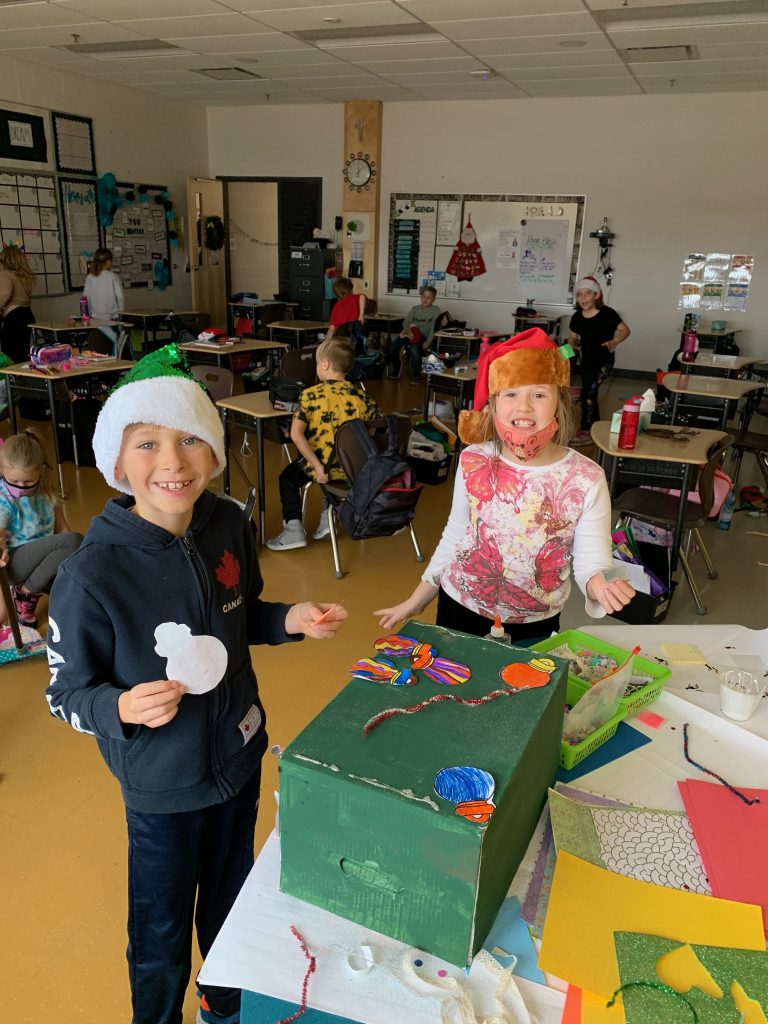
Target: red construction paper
{"points": [[650, 718], [732, 838], [572, 1008]]}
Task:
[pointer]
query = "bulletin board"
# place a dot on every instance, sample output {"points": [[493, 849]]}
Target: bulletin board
{"points": [[529, 244], [29, 217], [80, 228], [138, 235]]}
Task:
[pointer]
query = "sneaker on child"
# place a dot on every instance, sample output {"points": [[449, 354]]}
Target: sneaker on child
{"points": [[205, 1015], [26, 604], [323, 529], [293, 536]]}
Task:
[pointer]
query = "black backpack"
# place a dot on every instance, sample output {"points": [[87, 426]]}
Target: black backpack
{"points": [[446, 322], [383, 492], [284, 392]]}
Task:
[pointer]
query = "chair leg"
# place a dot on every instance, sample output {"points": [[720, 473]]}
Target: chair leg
{"points": [[416, 548], [700, 608], [762, 461], [334, 542], [304, 495], [737, 465], [10, 608], [711, 570]]}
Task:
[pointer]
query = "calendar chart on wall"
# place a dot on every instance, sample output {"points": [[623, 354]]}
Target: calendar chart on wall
{"points": [[29, 217], [493, 248]]}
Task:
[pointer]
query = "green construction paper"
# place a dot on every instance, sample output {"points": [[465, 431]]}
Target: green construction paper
{"points": [[573, 828], [363, 833], [638, 955]]}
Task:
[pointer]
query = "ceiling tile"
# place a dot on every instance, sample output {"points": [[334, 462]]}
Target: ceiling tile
{"points": [[241, 43], [563, 59], [448, 10], [356, 81], [403, 51], [458, 93], [700, 68], [717, 50], [384, 91], [49, 55], [536, 44], [259, 6], [613, 5], [432, 77], [662, 85], [283, 58], [532, 25], [688, 35], [115, 10], [524, 75], [359, 16], [584, 87], [192, 28], [309, 71], [417, 66], [93, 32]]}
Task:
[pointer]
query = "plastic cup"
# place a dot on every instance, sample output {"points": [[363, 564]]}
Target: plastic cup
{"points": [[739, 695]]}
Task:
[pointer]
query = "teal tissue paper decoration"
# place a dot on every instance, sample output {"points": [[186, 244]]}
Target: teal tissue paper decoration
{"points": [[161, 274]]}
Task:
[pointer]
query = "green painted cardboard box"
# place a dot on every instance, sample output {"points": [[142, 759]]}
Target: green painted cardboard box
{"points": [[364, 834]]}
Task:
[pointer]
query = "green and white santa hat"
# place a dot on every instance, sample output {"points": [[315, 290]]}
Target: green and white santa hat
{"points": [[161, 390]]}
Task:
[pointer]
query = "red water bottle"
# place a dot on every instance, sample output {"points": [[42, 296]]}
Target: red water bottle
{"points": [[630, 421], [690, 346], [85, 312]]}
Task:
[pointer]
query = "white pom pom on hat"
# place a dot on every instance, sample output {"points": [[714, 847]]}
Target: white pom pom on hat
{"points": [[590, 284]]}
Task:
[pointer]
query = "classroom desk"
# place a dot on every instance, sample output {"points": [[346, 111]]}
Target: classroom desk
{"points": [[364, 976], [385, 323], [298, 333], [712, 361], [247, 311], [250, 411], [467, 341], [66, 331], [460, 385], [226, 349], [683, 458], [698, 386], [549, 324], [22, 379], [150, 321]]}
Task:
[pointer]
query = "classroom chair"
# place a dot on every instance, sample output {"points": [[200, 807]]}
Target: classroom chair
{"points": [[218, 381], [661, 509], [750, 442], [352, 458], [13, 621]]}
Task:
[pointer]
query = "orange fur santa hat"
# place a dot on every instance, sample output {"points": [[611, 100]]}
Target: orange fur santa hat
{"points": [[522, 361]]}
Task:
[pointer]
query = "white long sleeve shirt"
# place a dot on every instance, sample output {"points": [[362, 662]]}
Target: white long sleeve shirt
{"points": [[515, 530], [105, 295]]}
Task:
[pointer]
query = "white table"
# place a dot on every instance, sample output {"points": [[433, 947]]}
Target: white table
{"points": [[366, 976]]}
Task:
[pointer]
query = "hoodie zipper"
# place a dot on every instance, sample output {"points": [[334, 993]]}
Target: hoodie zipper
{"points": [[201, 577]]}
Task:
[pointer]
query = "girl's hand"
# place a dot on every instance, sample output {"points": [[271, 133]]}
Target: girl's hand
{"points": [[611, 594], [320, 621], [390, 617], [151, 704]]}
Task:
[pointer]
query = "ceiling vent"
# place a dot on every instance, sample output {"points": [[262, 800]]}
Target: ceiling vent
{"points": [[226, 74], [125, 48], [659, 54]]}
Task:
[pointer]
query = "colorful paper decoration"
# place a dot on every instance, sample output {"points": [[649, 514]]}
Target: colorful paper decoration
{"points": [[199, 662], [719, 983], [592, 903], [425, 658], [509, 943], [528, 676], [471, 789], [466, 259], [733, 838], [381, 670]]}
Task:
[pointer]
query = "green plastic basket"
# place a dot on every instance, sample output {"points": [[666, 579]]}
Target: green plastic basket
{"points": [[572, 753], [643, 667]]}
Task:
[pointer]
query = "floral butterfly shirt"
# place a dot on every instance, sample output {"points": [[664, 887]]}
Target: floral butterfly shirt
{"points": [[515, 530]]}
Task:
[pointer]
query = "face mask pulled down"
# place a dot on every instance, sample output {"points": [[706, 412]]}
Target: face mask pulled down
{"points": [[524, 444]]}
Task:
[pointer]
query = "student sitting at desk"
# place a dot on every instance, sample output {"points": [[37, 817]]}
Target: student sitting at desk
{"points": [[106, 300], [417, 334]]}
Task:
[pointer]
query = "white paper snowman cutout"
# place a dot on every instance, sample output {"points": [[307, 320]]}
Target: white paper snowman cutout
{"points": [[199, 662]]}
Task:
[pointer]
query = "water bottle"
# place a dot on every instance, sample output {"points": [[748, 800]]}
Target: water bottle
{"points": [[497, 633], [630, 421], [85, 312], [690, 346], [726, 512]]}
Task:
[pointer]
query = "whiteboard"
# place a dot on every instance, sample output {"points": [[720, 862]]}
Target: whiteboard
{"points": [[529, 245]]}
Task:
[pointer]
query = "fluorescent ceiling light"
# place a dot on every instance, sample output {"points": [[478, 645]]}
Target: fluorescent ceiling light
{"points": [[125, 48], [572, 44], [226, 74], [725, 12], [654, 54], [369, 35]]}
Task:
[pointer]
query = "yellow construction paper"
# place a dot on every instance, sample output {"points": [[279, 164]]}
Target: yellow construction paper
{"points": [[752, 1012], [595, 1011], [588, 904], [682, 970], [683, 654]]}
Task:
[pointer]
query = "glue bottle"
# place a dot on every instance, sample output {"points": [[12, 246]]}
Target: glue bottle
{"points": [[497, 633]]}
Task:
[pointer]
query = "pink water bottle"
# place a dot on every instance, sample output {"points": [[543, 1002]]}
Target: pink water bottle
{"points": [[630, 421], [690, 346], [85, 311], [485, 344]]}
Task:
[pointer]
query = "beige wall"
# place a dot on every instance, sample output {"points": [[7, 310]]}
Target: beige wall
{"points": [[672, 173], [253, 263], [139, 137]]}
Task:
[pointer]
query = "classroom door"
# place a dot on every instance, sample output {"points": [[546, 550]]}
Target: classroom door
{"points": [[205, 199]]}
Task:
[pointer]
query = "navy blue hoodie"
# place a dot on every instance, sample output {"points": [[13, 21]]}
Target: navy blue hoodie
{"points": [[128, 577]]}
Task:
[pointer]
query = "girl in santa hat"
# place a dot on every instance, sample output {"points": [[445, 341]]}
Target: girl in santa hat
{"points": [[525, 508], [597, 330]]}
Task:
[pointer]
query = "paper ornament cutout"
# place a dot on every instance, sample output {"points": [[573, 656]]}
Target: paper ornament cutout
{"points": [[466, 259], [199, 662], [425, 658], [381, 670], [528, 675], [471, 789]]}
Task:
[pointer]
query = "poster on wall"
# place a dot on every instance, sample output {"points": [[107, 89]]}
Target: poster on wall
{"points": [[29, 217], [715, 280], [73, 142], [25, 138], [139, 233], [543, 256], [81, 227]]}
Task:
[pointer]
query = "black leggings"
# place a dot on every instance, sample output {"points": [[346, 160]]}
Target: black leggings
{"points": [[590, 383], [453, 615], [16, 335]]}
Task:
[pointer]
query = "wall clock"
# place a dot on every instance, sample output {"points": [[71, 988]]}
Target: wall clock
{"points": [[359, 171]]}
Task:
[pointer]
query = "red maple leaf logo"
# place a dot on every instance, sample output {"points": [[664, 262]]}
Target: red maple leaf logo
{"points": [[228, 571]]}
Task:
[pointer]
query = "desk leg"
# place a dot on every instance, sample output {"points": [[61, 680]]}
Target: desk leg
{"points": [[677, 536], [225, 424], [52, 407], [262, 501], [11, 405], [613, 474], [675, 400]]}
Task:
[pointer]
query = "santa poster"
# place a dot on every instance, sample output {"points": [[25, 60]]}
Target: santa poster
{"points": [[466, 260]]}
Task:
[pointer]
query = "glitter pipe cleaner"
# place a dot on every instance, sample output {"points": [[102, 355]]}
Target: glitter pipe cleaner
{"points": [[708, 771], [472, 702], [658, 988], [305, 985]]}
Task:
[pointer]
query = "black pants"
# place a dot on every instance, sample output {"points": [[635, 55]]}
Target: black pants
{"points": [[415, 355], [453, 615], [16, 335], [172, 858], [291, 481], [590, 383]]}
